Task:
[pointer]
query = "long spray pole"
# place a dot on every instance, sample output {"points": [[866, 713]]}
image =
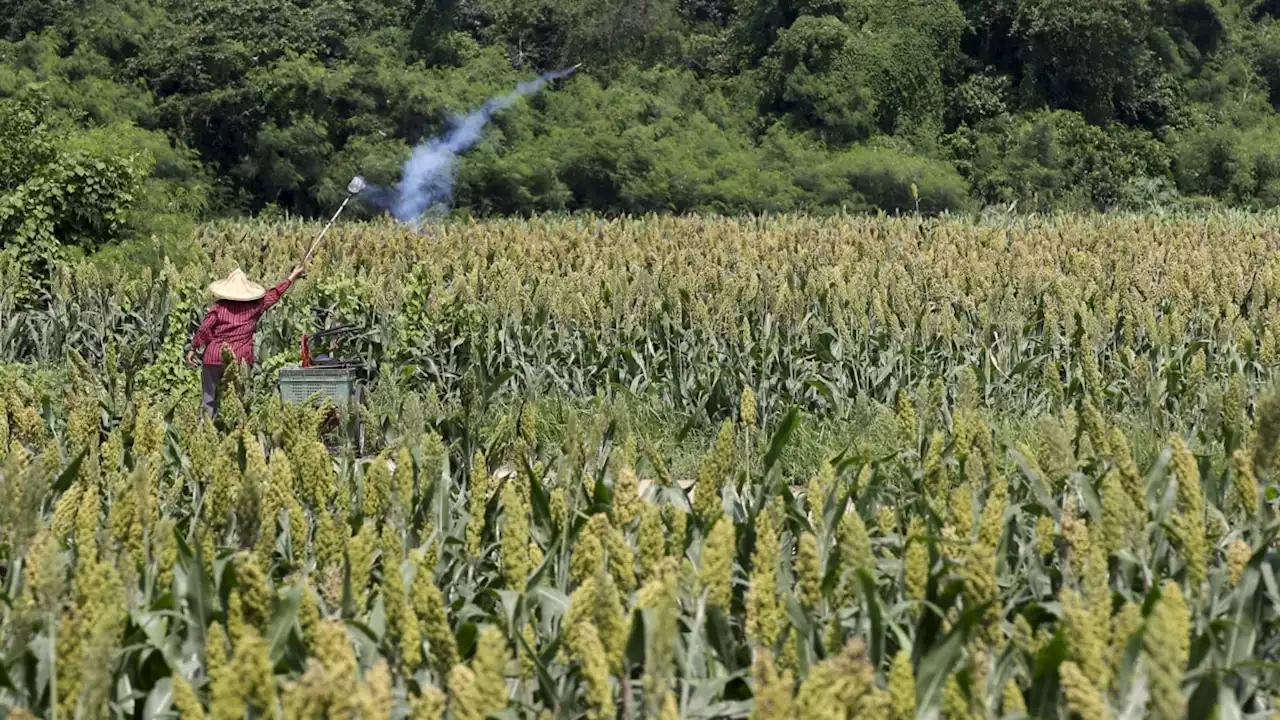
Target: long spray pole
{"points": [[353, 188], [320, 237]]}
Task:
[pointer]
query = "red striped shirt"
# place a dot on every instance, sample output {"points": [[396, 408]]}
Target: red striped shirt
{"points": [[232, 324]]}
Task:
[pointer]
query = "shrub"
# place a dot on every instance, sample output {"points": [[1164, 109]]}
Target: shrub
{"points": [[57, 195]]}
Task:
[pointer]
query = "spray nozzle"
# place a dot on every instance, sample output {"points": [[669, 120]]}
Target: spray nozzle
{"points": [[356, 186]]}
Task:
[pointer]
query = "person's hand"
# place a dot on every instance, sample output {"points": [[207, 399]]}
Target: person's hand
{"points": [[297, 273], [191, 358]]}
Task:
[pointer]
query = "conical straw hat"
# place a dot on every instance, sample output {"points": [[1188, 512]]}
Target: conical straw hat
{"points": [[237, 287]]}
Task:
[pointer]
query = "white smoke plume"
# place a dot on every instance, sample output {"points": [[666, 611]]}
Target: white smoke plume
{"points": [[427, 179]]}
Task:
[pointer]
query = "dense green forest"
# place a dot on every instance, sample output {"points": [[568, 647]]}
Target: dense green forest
{"points": [[133, 117]]}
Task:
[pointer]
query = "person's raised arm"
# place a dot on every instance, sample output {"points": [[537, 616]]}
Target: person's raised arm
{"points": [[274, 294]]}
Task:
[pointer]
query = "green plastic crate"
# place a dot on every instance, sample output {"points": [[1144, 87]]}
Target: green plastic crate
{"points": [[299, 384]]}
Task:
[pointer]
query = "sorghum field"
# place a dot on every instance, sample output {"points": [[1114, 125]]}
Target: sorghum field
{"points": [[784, 468]]}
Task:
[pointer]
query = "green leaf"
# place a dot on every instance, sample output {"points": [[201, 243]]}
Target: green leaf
{"points": [[1228, 707], [1050, 656], [1044, 675], [871, 596], [466, 635], [365, 639], [5, 681], [1157, 477], [1204, 699], [721, 637], [159, 701], [68, 474], [510, 604], [937, 665], [283, 620], [546, 685], [796, 611], [539, 503], [1038, 486], [602, 495], [553, 602], [929, 626], [1090, 496], [1132, 652], [199, 587], [781, 437], [636, 640]]}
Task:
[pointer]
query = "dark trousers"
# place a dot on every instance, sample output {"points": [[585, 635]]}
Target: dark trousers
{"points": [[210, 376]]}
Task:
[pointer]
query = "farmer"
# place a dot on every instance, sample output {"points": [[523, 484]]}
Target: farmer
{"points": [[231, 323]]}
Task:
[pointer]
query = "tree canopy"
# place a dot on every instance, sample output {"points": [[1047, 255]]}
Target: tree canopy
{"points": [[159, 110]]}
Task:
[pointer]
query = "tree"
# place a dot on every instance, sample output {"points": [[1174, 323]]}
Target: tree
{"points": [[22, 17], [1085, 54], [603, 34], [813, 73], [53, 199]]}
